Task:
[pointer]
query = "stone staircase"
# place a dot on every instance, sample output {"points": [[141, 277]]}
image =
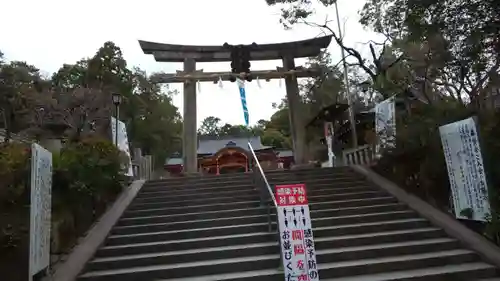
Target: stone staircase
{"points": [[213, 228]]}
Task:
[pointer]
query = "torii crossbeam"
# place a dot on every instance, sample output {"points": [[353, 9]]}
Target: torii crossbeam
{"points": [[189, 55]]}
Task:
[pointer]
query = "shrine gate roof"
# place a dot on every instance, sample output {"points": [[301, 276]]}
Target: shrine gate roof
{"points": [[177, 53], [211, 146]]}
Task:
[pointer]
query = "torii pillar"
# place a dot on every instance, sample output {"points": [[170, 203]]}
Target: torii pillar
{"points": [[190, 136], [295, 111], [189, 55]]}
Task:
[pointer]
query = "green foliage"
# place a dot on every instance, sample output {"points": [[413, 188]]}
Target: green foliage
{"points": [[414, 163], [91, 167], [14, 173]]}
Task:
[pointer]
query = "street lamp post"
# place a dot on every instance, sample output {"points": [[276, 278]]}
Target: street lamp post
{"points": [[346, 79], [117, 99]]}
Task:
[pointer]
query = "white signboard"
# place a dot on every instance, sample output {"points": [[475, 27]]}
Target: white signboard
{"points": [[296, 235], [40, 209], [465, 169], [123, 144], [328, 127], [385, 124]]}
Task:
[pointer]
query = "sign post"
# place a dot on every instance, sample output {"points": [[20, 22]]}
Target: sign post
{"points": [[296, 235], [464, 162], [40, 209]]}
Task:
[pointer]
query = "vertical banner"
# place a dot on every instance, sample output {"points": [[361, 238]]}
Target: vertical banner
{"points": [[385, 124], [123, 144], [296, 235], [465, 167], [243, 97], [328, 127], [40, 209]]}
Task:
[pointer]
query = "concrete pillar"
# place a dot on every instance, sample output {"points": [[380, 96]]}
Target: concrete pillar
{"points": [[295, 110], [189, 140]]}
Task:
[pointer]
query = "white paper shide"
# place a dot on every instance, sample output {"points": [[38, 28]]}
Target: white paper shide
{"points": [[296, 235], [385, 124], [40, 209], [466, 172], [123, 143]]}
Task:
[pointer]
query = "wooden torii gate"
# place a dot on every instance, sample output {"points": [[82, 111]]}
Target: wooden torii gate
{"points": [[189, 55]]}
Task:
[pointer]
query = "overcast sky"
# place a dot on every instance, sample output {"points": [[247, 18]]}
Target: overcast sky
{"points": [[48, 33]]}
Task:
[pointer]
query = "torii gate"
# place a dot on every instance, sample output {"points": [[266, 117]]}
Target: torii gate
{"points": [[189, 55]]}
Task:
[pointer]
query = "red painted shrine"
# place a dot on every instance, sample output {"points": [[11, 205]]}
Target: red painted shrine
{"points": [[231, 155]]}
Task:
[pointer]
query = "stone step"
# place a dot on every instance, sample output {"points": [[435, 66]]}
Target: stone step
{"points": [[223, 177], [229, 214], [139, 211], [196, 185], [189, 191], [322, 228], [334, 183], [184, 256], [322, 188], [311, 171], [227, 252], [195, 200], [179, 270], [458, 272], [327, 270], [111, 249], [214, 228], [319, 218], [343, 180], [248, 238], [196, 182], [151, 210], [453, 272], [180, 195]]}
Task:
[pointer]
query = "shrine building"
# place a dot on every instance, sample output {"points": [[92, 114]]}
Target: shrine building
{"points": [[231, 155]]}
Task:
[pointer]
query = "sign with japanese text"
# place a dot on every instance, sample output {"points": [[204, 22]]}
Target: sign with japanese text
{"points": [[123, 144], [385, 124], [466, 173], [40, 209], [296, 235]]}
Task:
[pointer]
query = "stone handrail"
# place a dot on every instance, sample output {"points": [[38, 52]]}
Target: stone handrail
{"points": [[143, 167], [361, 155]]}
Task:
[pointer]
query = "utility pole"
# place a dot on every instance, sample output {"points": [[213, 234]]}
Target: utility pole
{"points": [[347, 91]]}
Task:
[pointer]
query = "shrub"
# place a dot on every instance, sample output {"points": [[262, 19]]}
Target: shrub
{"points": [[87, 176], [417, 163], [14, 172], [14, 208]]}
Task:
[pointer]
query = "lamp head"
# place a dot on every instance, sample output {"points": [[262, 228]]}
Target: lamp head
{"points": [[117, 99]]}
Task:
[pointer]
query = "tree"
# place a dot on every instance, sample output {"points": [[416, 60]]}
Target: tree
{"points": [[153, 122], [375, 68], [210, 126], [275, 139], [19, 82], [461, 38]]}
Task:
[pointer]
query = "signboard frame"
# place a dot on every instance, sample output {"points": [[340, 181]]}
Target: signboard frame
{"points": [[40, 210], [298, 251], [123, 143], [466, 172]]}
